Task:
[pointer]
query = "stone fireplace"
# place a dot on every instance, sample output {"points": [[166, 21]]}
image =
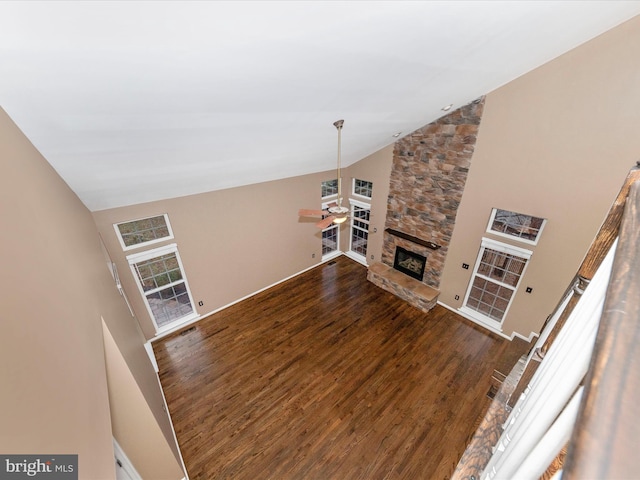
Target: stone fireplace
{"points": [[428, 176]]}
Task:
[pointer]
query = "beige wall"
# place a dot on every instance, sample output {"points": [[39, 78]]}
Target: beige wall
{"points": [[374, 168], [149, 453], [556, 143], [235, 242], [54, 391], [130, 341], [55, 288], [232, 242]]}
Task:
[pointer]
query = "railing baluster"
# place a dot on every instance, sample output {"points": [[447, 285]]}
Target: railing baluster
{"points": [[605, 441], [553, 384]]}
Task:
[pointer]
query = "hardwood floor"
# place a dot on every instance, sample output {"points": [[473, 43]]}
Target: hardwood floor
{"points": [[326, 376]]}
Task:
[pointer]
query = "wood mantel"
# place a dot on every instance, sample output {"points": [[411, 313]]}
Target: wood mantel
{"points": [[411, 238]]}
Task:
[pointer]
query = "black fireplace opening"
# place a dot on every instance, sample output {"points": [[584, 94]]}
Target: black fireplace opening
{"points": [[409, 263]]}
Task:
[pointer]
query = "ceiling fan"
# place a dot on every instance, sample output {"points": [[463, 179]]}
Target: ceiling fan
{"points": [[335, 213]]}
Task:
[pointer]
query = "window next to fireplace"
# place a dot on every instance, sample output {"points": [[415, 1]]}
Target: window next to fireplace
{"points": [[409, 263]]}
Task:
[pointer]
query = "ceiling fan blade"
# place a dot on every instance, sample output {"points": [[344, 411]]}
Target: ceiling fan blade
{"points": [[325, 222], [303, 212]]}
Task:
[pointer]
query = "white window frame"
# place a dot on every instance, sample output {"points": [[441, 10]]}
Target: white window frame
{"points": [[494, 211], [477, 316], [148, 255], [353, 188], [352, 253], [150, 242], [333, 195], [336, 227]]}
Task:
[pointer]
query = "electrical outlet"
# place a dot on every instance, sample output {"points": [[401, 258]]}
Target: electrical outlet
{"points": [[313, 255], [465, 266], [371, 257], [200, 303], [457, 297]]}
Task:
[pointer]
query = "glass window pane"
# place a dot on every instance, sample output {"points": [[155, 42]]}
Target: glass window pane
{"points": [[363, 188], [330, 239], [500, 266], [163, 284], [489, 298], [359, 240], [494, 283], [359, 229], [159, 271], [144, 230], [161, 280], [329, 188], [519, 225], [169, 304]]}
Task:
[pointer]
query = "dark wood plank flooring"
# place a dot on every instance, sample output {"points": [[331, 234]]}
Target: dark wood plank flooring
{"points": [[326, 376]]}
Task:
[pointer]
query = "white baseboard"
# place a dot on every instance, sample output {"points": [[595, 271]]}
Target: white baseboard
{"points": [[200, 317], [532, 335], [483, 325], [356, 257]]}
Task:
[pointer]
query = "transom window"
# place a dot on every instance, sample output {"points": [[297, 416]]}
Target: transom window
{"points": [[495, 280], [144, 231], [329, 188], [520, 226], [362, 188], [161, 280]]}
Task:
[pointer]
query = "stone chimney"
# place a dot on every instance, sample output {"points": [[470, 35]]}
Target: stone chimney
{"points": [[428, 176]]}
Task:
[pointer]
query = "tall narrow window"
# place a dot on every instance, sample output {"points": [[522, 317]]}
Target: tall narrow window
{"points": [[330, 238], [144, 231], [360, 215], [161, 280], [495, 280]]}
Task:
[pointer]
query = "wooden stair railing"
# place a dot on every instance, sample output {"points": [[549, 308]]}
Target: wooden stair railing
{"points": [[599, 247], [595, 422], [607, 430]]}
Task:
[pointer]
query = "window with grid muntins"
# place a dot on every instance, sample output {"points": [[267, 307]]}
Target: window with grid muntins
{"points": [[169, 304], [362, 188], [329, 188], [330, 239], [158, 272], [163, 285], [144, 231], [525, 228], [360, 229], [495, 279]]}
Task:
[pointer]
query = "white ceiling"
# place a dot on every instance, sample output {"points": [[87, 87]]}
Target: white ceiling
{"points": [[138, 101]]}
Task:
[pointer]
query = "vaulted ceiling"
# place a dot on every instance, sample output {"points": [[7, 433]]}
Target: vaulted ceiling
{"points": [[138, 101]]}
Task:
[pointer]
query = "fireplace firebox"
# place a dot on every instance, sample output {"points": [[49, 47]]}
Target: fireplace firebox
{"points": [[409, 263]]}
